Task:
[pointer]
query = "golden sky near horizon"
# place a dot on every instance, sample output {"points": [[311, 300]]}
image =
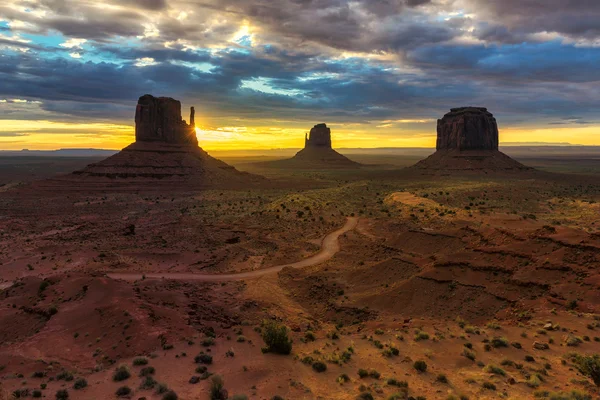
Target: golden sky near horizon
{"points": [[48, 135]]}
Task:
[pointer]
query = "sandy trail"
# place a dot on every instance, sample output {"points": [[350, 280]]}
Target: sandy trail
{"points": [[329, 246]]}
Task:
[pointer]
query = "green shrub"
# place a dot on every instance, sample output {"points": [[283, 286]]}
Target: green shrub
{"points": [[319, 366], [494, 369], [499, 342], [589, 366], [217, 384], [420, 366], [62, 394], [80, 384], [140, 361], [123, 391], [65, 375], [170, 395], [148, 383], [276, 338], [147, 371], [203, 358], [121, 373], [395, 382]]}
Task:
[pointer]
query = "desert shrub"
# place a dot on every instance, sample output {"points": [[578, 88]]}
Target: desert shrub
{"points": [[398, 396], [573, 341], [572, 395], [239, 397], [147, 371], [62, 394], [203, 358], [207, 342], [36, 394], [534, 381], [488, 385], [363, 373], [420, 335], [123, 391], [121, 373], [365, 396], [162, 388], [38, 374], [80, 384], [343, 378], [217, 384], [499, 342], [442, 378], [140, 361], [170, 395], [469, 354], [529, 358], [276, 338], [589, 366], [494, 369], [148, 383], [309, 336], [507, 363], [395, 382], [65, 375], [319, 366], [420, 366]]}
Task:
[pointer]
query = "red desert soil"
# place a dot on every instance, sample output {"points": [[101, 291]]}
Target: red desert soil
{"points": [[329, 246], [493, 283]]}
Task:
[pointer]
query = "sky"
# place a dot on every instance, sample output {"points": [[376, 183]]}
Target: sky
{"points": [[261, 73]]}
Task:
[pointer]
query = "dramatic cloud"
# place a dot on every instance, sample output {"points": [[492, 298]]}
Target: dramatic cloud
{"points": [[362, 62]]}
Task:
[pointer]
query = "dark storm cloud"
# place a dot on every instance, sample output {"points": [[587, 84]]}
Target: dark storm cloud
{"points": [[578, 19], [355, 61]]}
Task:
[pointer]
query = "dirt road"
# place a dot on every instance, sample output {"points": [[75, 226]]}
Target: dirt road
{"points": [[329, 246]]}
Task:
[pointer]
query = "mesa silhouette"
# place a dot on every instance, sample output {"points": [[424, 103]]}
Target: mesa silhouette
{"points": [[317, 153], [467, 140], [166, 148]]}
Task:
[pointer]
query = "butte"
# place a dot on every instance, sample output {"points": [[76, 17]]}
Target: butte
{"points": [[165, 151], [467, 140], [317, 153]]}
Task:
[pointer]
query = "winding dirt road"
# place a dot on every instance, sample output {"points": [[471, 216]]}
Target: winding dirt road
{"points": [[329, 246]]}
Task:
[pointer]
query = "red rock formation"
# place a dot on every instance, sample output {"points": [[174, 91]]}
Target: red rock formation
{"points": [[166, 148], [158, 119], [320, 136], [467, 128], [467, 140]]}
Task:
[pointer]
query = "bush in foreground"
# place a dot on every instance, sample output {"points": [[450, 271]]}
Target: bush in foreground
{"points": [[276, 338]]}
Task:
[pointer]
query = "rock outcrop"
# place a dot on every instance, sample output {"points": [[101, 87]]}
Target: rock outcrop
{"points": [[317, 153], [158, 119], [467, 128], [467, 140], [320, 137], [166, 148]]}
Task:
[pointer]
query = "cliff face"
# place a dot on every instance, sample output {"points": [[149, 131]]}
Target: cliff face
{"points": [[320, 136], [166, 149], [467, 140], [158, 119], [467, 128]]}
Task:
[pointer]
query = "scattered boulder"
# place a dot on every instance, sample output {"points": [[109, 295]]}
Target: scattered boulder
{"points": [[540, 346]]}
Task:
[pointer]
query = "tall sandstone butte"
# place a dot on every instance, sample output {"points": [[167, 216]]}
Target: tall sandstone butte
{"points": [[467, 128], [320, 136], [166, 149], [467, 140], [158, 119]]}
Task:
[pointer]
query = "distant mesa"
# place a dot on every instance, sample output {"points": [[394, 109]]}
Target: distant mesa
{"points": [[166, 148], [467, 139], [317, 153]]}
